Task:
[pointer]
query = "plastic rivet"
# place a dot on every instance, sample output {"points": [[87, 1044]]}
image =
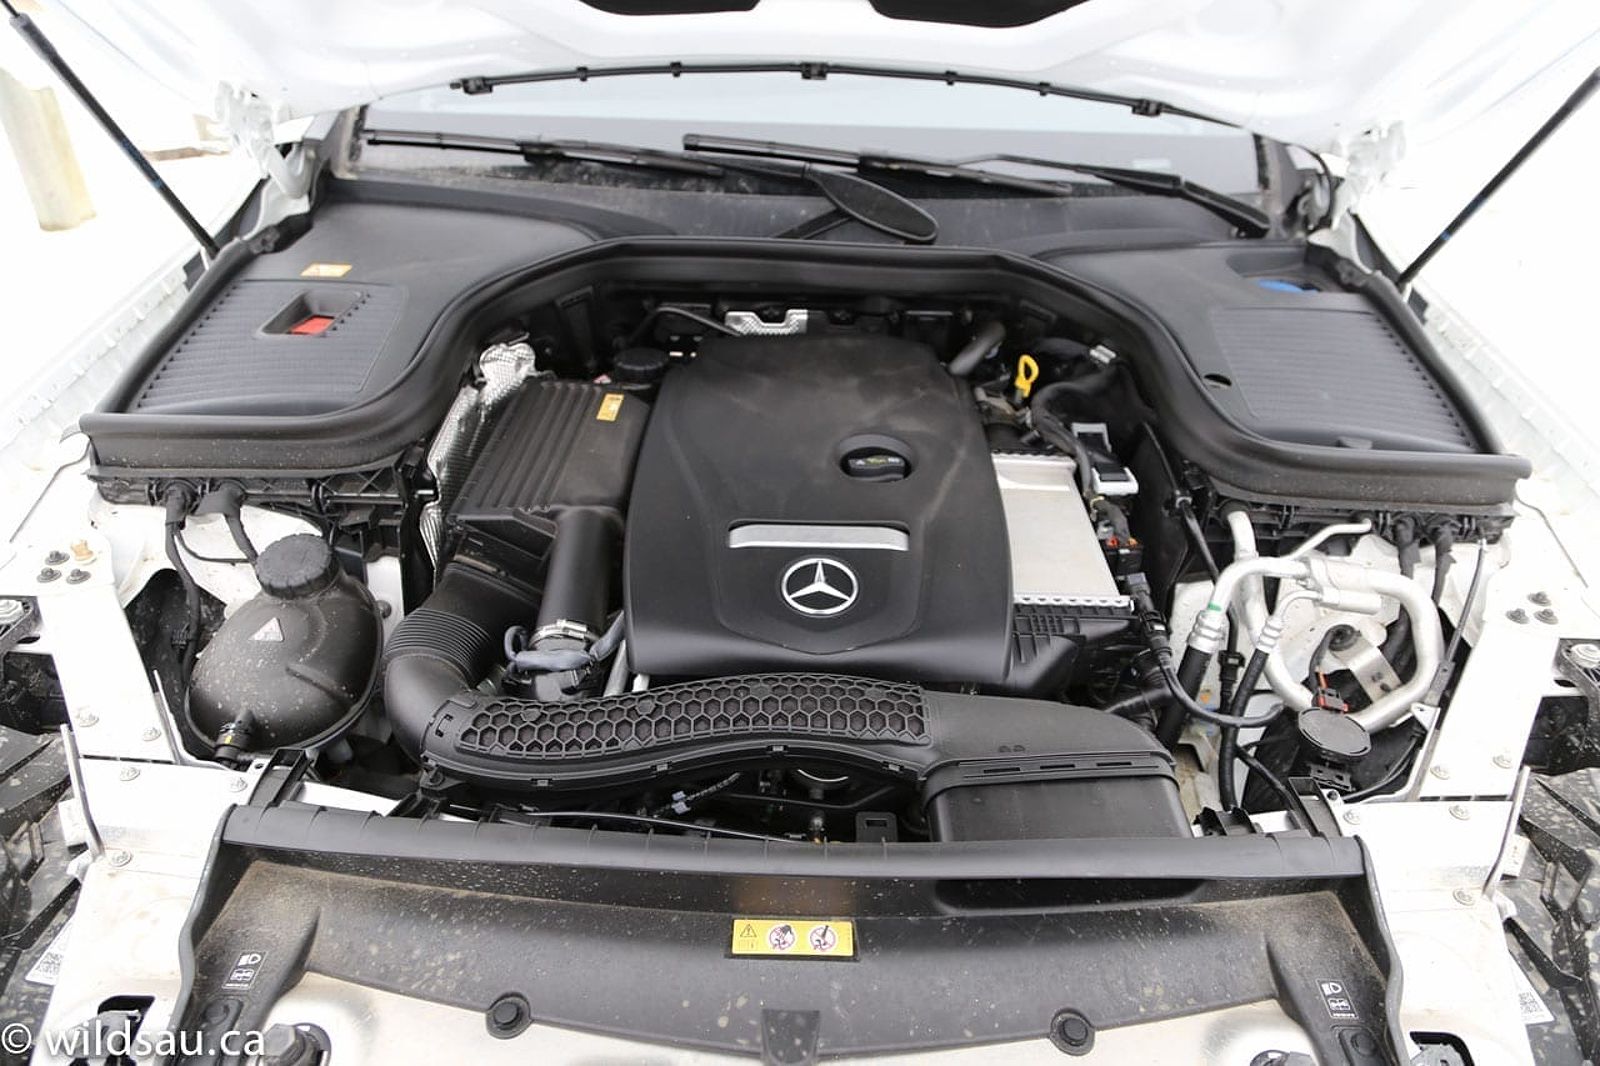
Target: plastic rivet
{"points": [[87, 720], [1353, 817], [507, 1016], [1440, 771], [1464, 896], [1503, 761], [150, 734], [1460, 811], [127, 773], [118, 857]]}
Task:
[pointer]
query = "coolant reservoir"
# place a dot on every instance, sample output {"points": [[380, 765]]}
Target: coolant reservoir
{"points": [[293, 666]]}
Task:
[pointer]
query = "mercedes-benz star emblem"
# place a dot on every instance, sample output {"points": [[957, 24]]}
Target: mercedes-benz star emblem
{"points": [[820, 587]]}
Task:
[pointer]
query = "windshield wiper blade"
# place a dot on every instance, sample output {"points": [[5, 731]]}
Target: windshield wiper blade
{"points": [[1250, 220], [627, 155], [1253, 221]]}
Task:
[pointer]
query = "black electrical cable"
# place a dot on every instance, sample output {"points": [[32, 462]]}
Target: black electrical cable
{"points": [[665, 823], [1447, 667], [1196, 709], [1291, 803], [687, 800], [1228, 745], [693, 316], [1401, 765], [197, 557]]}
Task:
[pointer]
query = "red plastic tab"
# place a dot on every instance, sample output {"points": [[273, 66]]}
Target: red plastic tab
{"points": [[311, 325]]}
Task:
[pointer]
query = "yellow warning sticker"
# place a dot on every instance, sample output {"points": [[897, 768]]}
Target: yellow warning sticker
{"points": [[610, 405], [801, 938], [326, 270]]}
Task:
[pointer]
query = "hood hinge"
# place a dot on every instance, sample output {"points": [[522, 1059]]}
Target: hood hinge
{"points": [[250, 122], [1370, 157]]}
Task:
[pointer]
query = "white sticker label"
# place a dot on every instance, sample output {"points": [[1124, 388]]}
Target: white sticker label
{"points": [[1340, 1007], [1516, 855], [1529, 1004], [48, 969]]}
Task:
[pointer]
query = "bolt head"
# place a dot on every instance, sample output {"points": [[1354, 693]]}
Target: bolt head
{"points": [[1541, 599], [1548, 617], [127, 773], [150, 734], [47, 575], [86, 720], [1464, 896], [1353, 817], [1440, 771], [56, 558], [237, 784], [77, 577], [1460, 811], [1517, 615], [118, 857], [1503, 761], [1586, 655]]}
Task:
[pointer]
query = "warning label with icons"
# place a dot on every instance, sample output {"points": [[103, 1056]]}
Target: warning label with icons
{"points": [[801, 938]]}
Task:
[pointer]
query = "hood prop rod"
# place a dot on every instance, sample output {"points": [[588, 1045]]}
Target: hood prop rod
{"points": [[1579, 97], [46, 51]]}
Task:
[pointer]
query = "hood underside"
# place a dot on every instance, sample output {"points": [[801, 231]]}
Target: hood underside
{"points": [[1320, 75]]}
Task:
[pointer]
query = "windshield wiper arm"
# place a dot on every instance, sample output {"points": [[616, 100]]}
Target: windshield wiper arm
{"points": [[836, 157], [852, 196], [1250, 220]]}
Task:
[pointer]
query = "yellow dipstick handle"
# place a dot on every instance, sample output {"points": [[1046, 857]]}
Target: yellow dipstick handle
{"points": [[1027, 374]]}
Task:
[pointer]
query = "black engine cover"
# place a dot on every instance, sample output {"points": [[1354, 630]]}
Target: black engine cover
{"points": [[805, 450]]}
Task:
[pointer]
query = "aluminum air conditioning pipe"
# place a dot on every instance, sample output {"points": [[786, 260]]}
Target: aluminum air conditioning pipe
{"points": [[1336, 585]]}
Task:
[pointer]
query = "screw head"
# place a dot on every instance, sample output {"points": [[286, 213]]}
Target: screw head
{"points": [[237, 784], [150, 734], [1464, 896], [1517, 615], [1353, 817], [77, 577], [47, 575], [1460, 811], [1503, 761], [56, 558], [86, 720], [1547, 616], [1440, 771], [1541, 599], [127, 773], [118, 857]]}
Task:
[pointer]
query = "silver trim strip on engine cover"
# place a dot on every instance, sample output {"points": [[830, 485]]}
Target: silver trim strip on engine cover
{"points": [[795, 535]]}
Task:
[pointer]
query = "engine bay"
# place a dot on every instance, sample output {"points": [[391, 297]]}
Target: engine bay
{"points": [[820, 562]]}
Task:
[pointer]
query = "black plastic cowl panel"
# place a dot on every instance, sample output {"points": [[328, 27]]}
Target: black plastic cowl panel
{"points": [[759, 432]]}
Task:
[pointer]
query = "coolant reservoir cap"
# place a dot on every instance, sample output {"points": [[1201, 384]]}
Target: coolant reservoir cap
{"points": [[296, 566], [1335, 737]]}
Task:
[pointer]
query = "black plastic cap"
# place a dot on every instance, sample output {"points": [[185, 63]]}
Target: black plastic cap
{"points": [[639, 366], [296, 566], [1334, 736]]}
